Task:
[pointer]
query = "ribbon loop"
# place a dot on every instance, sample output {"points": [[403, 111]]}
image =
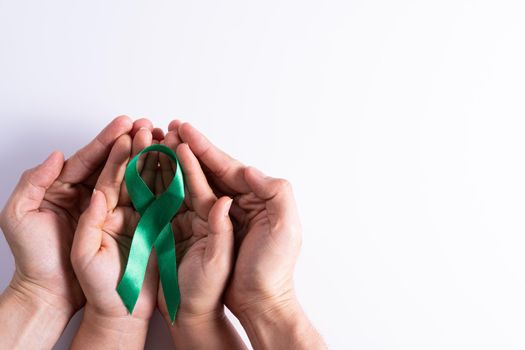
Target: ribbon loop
{"points": [[153, 230]]}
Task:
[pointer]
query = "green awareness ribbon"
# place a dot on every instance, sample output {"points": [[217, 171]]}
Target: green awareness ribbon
{"points": [[153, 229]]}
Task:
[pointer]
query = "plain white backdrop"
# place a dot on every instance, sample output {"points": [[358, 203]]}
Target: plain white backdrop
{"points": [[400, 124]]}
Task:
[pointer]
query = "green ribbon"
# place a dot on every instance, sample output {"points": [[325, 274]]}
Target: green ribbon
{"points": [[153, 229]]}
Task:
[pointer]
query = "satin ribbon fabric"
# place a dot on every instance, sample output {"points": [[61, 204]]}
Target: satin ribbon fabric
{"points": [[153, 230]]}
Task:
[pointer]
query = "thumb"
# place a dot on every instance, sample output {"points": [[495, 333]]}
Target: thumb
{"points": [[219, 247], [88, 236], [30, 190], [279, 199]]}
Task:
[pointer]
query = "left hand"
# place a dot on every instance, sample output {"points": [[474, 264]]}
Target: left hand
{"points": [[41, 216]]}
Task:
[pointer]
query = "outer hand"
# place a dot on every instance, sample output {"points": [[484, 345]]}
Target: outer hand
{"points": [[268, 236], [267, 226], [204, 240], [41, 216]]}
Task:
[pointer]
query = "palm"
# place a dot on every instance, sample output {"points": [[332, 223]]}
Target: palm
{"points": [[103, 239], [191, 233], [41, 215], [261, 249], [202, 236], [195, 277], [104, 272], [50, 228], [266, 225], [55, 222]]}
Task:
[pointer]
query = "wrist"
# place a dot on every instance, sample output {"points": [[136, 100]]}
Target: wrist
{"points": [[102, 331], [186, 320], [35, 296], [253, 305], [113, 324], [267, 310], [279, 323], [211, 330], [29, 321]]}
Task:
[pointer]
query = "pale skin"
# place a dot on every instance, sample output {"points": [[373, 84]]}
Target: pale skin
{"points": [[205, 237], [98, 255], [39, 221], [268, 235], [264, 227]]}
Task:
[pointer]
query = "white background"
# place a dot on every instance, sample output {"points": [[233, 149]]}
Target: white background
{"points": [[400, 124]]}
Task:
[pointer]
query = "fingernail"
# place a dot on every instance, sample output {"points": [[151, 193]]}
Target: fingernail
{"points": [[227, 207]]}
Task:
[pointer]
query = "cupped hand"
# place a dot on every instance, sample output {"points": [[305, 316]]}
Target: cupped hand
{"points": [[266, 225], [105, 231], [41, 216], [203, 235]]}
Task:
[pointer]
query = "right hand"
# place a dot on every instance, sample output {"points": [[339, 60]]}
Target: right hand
{"points": [[266, 226], [204, 240], [104, 235]]}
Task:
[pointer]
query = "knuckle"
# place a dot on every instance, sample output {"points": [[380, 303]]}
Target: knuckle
{"points": [[26, 175]]}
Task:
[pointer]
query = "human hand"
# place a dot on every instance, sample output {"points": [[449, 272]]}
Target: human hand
{"points": [[100, 248], [204, 241], [41, 216], [267, 226], [267, 231]]}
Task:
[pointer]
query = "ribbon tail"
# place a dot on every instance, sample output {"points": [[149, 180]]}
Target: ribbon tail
{"points": [[133, 278], [128, 291], [167, 262]]}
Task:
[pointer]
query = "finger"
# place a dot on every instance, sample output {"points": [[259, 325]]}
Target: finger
{"points": [[166, 172], [139, 124], [141, 140], [159, 184], [158, 134], [88, 236], [112, 176], [278, 195], [149, 172], [173, 140], [200, 193], [219, 247], [91, 180], [31, 189], [228, 170], [88, 159], [174, 125], [168, 167]]}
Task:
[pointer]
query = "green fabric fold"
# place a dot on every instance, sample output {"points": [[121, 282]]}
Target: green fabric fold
{"points": [[153, 230]]}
